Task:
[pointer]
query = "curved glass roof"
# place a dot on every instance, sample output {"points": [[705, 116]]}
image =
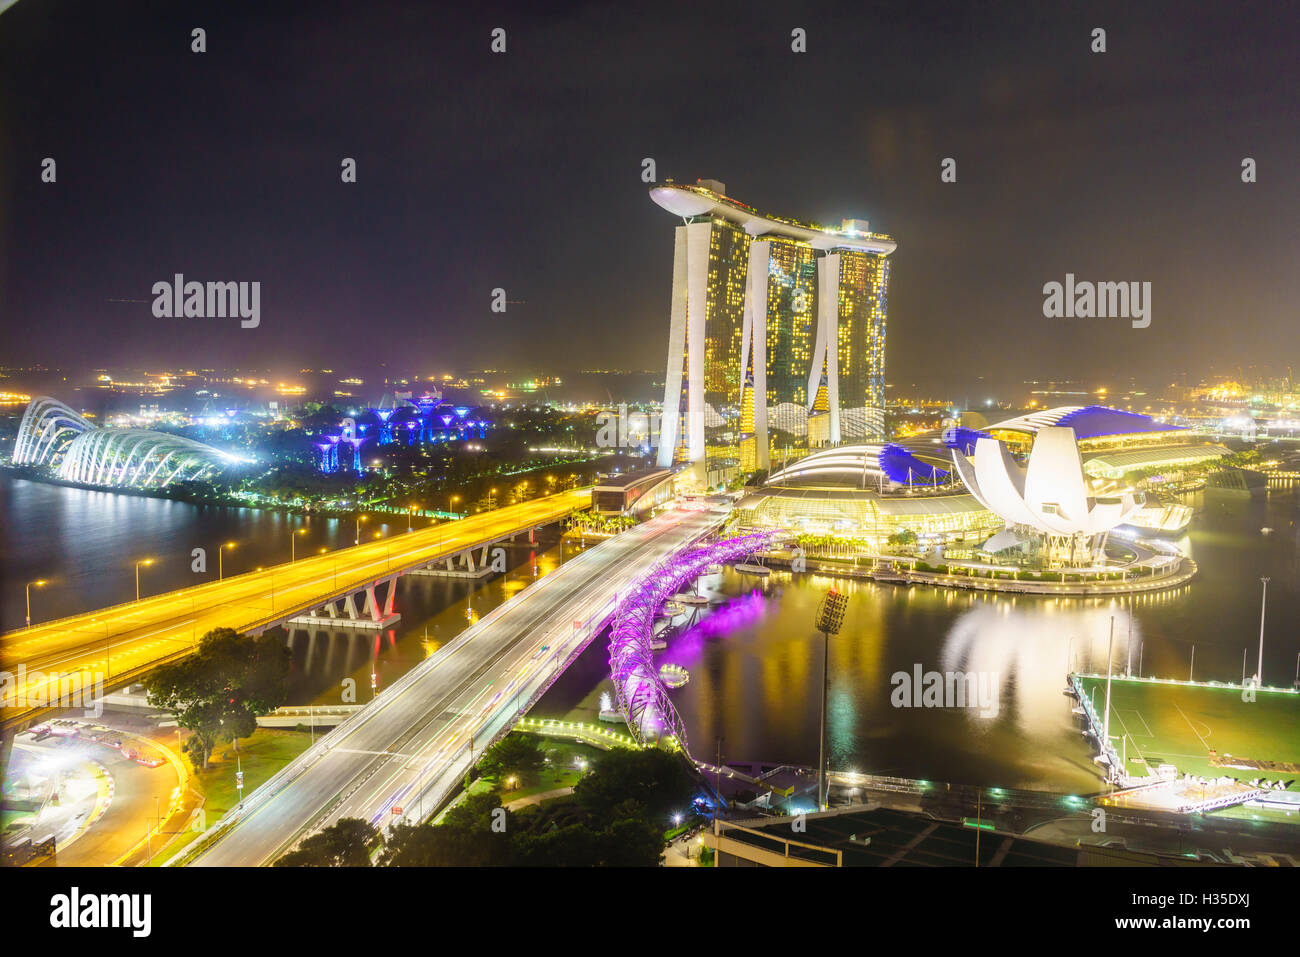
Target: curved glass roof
{"points": [[1088, 421]]}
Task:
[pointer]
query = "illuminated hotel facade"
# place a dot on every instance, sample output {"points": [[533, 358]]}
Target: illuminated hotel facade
{"points": [[776, 334]]}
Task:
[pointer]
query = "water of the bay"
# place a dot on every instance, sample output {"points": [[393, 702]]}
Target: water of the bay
{"points": [[754, 657]]}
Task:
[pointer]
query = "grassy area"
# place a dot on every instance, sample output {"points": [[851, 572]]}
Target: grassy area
{"points": [[1196, 727], [560, 772], [263, 753], [14, 819]]}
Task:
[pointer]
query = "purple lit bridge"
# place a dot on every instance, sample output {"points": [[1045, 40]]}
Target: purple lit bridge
{"points": [[642, 696]]}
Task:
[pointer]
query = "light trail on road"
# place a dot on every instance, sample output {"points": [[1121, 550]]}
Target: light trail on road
{"points": [[129, 638], [411, 746]]}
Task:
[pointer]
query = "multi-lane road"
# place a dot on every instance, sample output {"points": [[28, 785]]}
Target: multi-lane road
{"points": [[408, 749], [127, 639]]}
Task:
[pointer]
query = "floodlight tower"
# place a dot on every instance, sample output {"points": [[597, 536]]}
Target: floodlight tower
{"points": [[830, 616]]}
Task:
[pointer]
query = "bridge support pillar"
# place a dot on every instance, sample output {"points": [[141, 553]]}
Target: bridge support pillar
{"points": [[371, 615], [449, 569]]}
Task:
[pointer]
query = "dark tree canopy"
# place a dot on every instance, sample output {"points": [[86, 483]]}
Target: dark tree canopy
{"points": [[657, 780], [617, 818], [476, 832], [219, 691], [517, 754], [346, 843]]}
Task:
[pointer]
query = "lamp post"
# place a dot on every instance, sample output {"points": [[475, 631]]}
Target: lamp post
{"points": [[1263, 603], [1105, 722], [410, 514], [221, 549], [830, 616], [360, 519], [38, 583], [293, 541], [143, 561]]}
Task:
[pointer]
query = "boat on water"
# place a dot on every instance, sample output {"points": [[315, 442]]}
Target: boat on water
{"points": [[673, 676], [889, 577]]}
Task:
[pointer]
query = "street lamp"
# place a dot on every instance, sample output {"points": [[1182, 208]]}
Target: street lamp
{"points": [[1263, 602], [410, 512], [360, 519], [143, 561], [830, 616], [221, 551], [293, 541], [38, 583], [452, 507]]}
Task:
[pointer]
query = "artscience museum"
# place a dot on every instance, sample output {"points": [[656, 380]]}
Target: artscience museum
{"points": [[1049, 501]]}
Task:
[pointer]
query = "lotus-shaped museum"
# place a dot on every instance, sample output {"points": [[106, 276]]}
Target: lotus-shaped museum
{"points": [[1051, 495]]}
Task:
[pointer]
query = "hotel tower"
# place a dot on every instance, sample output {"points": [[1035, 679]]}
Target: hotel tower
{"points": [[776, 338]]}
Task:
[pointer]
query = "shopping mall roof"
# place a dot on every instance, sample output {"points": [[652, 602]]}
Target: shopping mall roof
{"points": [[1088, 421], [1115, 464], [861, 466], [784, 505]]}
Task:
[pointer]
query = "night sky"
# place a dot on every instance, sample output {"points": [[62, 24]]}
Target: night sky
{"points": [[522, 171]]}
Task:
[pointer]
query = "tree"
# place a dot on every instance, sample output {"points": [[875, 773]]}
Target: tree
{"points": [[904, 537], [219, 692], [476, 832], [631, 837], [518, 754], [344, 844], [656, 780]]}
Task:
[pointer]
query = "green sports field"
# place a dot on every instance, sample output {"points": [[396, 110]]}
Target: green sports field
{"points": [[1202, 730]]}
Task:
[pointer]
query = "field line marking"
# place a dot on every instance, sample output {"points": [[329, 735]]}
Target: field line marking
{"points": [[1124, 727], [1193, 727], [1150, 734]]}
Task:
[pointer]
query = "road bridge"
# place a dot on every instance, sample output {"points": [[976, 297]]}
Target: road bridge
{"points": [[405, 752], [118, 645]]}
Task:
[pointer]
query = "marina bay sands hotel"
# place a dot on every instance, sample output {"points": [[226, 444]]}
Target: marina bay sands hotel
{"points": [[777, 334]]}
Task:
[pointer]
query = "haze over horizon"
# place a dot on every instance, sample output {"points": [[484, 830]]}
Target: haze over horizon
{"points": [[521, 171]]}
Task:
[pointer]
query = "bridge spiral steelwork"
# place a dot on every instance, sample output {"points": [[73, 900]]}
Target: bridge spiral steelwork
{"points": [[53, 435], [642, 696]]}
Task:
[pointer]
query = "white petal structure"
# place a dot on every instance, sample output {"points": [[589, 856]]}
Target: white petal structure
{"points": [[1051, 495]]}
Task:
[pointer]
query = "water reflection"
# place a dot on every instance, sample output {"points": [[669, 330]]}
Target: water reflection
{"points": [[755, 659]]}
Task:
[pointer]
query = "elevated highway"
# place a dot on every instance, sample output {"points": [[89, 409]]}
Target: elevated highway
{"points": [[123, 642], [404, 753]]}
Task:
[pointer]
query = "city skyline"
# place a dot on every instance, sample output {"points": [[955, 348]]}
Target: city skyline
{"points": [[582, 436]]}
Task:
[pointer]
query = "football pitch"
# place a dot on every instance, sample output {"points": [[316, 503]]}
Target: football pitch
{"points": [[1203, 730]]}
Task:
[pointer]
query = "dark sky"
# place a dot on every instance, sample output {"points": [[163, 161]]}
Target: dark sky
{"points": [[522, 171]]}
